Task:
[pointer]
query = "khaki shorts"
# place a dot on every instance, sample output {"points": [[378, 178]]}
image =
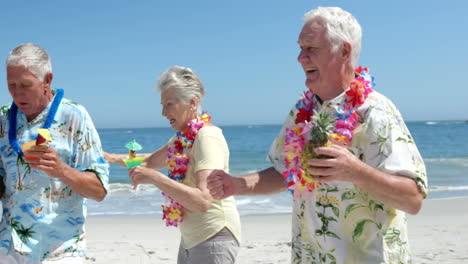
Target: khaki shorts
{"points": [[216, 250]]}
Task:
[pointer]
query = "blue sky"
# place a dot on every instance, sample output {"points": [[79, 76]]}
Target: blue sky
{"points": [[107, 55]]}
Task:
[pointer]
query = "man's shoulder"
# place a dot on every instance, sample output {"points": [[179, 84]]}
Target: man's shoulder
{"points": [[380, 110], [71, 103], [72, 106], [379, 102]]}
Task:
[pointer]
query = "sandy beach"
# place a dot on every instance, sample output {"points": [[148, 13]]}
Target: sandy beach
{"points": [[438, 234]]}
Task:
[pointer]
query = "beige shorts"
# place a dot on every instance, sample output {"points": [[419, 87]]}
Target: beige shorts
{"points": [[219, 249]]}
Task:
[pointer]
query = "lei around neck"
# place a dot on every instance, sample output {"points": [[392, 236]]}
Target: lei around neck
{"points": [[177, 163], [346, 121], [48, 122]]}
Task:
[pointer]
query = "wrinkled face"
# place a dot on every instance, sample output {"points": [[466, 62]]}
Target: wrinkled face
{"points": [[176, 111], [29, 93], [321, 66]]}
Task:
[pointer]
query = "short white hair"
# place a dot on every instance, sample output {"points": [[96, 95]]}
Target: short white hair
{"points": [[31, 56], [340, 26], [186, 84]]}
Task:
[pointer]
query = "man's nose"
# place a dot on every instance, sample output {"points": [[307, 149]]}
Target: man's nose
{"points": [[302, 57]]}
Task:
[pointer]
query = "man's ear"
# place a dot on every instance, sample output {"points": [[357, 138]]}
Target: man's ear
{"points": [[346, 50], [48, 80]]}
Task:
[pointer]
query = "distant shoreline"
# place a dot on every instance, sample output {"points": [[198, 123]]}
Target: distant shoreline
{"points": [[257, 125]]}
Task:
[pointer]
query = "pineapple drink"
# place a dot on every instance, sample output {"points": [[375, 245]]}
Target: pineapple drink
{"points": [[323, 125]]}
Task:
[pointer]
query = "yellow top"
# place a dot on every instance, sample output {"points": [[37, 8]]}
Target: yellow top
{"points": [[209, 152]]}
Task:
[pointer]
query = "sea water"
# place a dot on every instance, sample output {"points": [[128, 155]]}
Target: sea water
{"points": [[443, 146]]}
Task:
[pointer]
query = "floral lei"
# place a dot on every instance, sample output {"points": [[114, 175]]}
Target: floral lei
{"points": [[346, 121], [177, 163]]}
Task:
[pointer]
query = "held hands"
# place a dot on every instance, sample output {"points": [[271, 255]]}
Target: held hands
{"points": [[220, 184], [45, 158], [342, 166]]}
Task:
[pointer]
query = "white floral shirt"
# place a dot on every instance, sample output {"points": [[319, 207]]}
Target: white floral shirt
{"points": [[341, 223], [42, 217]]}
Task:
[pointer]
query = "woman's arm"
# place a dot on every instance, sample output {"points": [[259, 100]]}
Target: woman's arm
{"points": [[115, 158], [196, 199], [155, 160]]}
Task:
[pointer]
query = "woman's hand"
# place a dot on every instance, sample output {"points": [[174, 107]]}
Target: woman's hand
{"points": [[115, 158], [143, 175]]}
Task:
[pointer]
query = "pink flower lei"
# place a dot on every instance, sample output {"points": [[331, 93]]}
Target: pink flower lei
{"points": [[177, 165], [346, 122]]}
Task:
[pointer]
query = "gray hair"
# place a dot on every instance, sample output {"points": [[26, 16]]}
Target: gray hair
{"points": [[31, 56], [341, 27], [186, 84]]}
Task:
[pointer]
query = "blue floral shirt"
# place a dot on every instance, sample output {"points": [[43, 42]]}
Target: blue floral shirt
{"points": [[42, 217]]}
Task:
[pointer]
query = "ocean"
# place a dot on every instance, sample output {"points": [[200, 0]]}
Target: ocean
{"points": [[442, 144]]}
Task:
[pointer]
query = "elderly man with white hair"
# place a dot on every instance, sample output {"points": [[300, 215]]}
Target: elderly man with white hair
{"points": [[344, 153], [46, 185]]}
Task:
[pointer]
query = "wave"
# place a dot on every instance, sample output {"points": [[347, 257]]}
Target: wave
{"points": [[448, 188], [107, 131], [125, 213], [125, 188], [247, 201], [456, 162], [455, 122]]}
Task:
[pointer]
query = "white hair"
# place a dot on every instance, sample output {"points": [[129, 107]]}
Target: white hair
{"points": [[31, 56], [340, 26], [186, 84]]}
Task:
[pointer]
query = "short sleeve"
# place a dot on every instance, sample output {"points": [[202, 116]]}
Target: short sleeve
{"points": [[387, 144], [210, 150], [87, 150], [275, 154]]}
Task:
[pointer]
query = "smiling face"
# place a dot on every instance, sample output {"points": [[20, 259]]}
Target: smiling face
{"points": [[323, 67], [29, 93], [177, 111]]}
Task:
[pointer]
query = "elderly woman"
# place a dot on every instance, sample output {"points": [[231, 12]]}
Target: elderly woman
{"points": [[210, 228]]}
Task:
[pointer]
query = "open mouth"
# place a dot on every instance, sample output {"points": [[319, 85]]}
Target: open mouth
{"points": [[310, 70], [172, 121]]}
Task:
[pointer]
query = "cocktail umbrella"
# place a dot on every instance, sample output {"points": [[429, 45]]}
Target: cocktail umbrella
{"points": [[133, 145]]}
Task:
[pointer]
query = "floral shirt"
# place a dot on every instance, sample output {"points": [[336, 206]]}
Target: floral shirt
{"points": [[42, 217], [339, 222]]}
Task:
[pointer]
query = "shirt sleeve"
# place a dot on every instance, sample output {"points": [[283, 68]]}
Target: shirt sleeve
{"points": [[210, 151], [387, 144], [275, 154], [87, 150]]}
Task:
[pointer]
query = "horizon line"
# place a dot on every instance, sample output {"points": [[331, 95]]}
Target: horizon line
{"points": [[232, 125]]}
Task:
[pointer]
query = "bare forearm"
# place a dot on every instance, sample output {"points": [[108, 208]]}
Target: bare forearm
{"points": [[190, 197], [265, 182], [157, 159], [397, 191], [86, 183]]}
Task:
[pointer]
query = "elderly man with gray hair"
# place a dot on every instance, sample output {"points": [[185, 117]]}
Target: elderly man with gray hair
{"points": [[45, 184], [344, 153]]}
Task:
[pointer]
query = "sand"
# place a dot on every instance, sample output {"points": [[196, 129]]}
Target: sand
{"points": [[438, 234]]}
